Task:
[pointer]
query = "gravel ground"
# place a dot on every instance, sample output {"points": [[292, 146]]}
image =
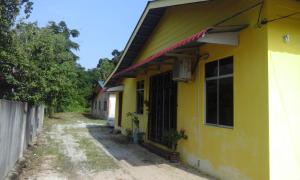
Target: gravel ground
{"points": [[75, 146]]}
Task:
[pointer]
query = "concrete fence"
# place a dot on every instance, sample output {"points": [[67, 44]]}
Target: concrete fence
{"points": [[19, 125]]}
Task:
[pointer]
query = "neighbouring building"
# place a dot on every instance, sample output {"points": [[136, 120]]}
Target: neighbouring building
{"points": [[100, 100], [225, 71], [114, 110], [103, 104]]}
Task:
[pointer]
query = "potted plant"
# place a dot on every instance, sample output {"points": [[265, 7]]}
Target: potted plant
{"points": [[173, 137], [136, 133]]}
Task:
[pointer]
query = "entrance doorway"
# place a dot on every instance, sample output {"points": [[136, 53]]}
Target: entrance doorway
{"points": [[120, 102], [163, 107]]}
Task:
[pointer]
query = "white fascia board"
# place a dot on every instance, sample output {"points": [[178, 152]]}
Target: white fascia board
{"points": [[166, 3], [115, 89]]}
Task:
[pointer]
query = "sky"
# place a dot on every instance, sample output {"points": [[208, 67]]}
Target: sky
{"points": [[104, 25]]}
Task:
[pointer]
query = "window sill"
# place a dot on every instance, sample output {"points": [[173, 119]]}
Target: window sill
{"points": [[219, 126]]}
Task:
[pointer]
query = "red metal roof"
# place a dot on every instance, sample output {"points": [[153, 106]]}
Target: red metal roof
{"points": [[163, 52]]}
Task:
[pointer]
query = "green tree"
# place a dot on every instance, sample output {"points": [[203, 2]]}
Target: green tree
{"points": [[104, 68], [46, 68], [9, 10], [116, 56], [62, 28]]}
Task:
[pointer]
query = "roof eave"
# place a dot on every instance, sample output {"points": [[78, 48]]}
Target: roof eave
{"points": [[150, 5]]}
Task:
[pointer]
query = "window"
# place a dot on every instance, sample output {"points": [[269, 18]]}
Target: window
{"points": [[105, 105], [140, 97], [99, 105], [219, 92]]}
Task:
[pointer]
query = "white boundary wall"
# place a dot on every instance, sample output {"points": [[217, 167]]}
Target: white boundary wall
{"points": [[19, 125]]}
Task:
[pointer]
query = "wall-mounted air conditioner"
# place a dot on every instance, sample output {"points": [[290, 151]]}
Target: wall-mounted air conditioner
{"points": [[182, 69]]}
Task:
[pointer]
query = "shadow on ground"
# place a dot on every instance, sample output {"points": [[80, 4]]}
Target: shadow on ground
{"points": [[121, 149], [89, 116]]}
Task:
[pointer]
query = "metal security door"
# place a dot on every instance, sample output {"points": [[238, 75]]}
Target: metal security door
{"points": [[163, 107]]}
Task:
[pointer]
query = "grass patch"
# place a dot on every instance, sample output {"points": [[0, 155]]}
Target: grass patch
{"points": [[71, 118], [75, 131], [51, 149], [97, 159]]}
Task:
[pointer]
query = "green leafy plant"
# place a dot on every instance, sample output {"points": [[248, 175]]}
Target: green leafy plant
{"points": [[173, 136], [137, 134], [135, 120]]}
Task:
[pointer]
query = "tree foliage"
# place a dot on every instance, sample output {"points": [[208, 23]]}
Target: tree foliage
{"points": [[45, 67], [116, 56], [9, 10], [104, 68]]}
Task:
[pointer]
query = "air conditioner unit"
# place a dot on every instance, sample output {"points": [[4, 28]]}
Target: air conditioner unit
{"points": [[182, 69]]}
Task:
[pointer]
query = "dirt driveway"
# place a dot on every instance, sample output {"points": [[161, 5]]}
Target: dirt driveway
{"points": [[74, 146]]}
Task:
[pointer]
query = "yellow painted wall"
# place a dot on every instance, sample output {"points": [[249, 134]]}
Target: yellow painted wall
{"points": [[129, 99], [241, 152], [284, 90], [129, 103]]}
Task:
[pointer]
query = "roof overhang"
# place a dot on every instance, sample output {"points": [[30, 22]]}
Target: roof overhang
{"points": [[164, 3], [144, 28], [226, 35], [115, 89]]}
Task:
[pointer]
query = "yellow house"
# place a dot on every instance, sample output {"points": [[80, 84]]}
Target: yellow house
{"points": [[225, 71]]}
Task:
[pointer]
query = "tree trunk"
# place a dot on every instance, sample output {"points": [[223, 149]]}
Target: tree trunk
{"points": [[51, 108], [50, 111]]}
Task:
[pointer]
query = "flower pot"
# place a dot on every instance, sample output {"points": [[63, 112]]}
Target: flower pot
{"points": [[174, 157], [135, 138], [141, 137], [138, 137]]}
